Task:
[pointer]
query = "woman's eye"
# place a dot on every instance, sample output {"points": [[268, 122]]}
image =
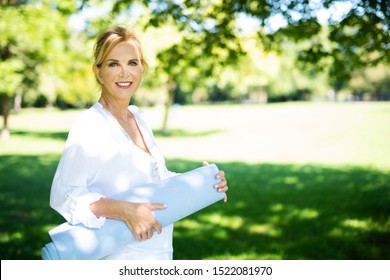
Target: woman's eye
{"points": [[113, 64], [133, 63]]}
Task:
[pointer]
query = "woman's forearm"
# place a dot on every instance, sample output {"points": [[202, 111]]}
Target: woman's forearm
{"points": [[109, 208], [138, 216]]}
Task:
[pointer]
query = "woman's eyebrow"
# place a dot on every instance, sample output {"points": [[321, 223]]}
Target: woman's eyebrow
{"points": [[116, 60]]}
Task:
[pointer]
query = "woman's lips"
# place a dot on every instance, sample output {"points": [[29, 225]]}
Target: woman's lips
{"points": [[124, 85]]}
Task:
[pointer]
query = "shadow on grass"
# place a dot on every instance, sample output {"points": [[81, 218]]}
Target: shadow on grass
{"points": [[25, 213], [291, 212], [274, 212], [55, 135]]}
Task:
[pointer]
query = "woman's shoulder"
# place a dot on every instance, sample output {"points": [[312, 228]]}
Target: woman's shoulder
{"points": [[88, 132], [92, 119], [91, 114]]}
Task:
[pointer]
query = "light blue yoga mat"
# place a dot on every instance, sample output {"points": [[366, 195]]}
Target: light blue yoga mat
{"points": [[184, 194]]}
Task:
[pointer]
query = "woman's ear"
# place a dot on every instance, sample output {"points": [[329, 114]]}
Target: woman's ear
{"points": [[98, 74]]}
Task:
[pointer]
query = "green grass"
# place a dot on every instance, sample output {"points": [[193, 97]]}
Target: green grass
{"points": [[307, 181], [293, 212]]}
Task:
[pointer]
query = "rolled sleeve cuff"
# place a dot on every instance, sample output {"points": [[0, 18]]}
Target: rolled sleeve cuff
{"points": [[81, 213]]}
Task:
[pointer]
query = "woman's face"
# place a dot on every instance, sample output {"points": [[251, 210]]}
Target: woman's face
{"points": [[121, 72]]}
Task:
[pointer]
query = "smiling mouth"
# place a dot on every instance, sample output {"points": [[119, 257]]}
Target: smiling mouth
{"points": [[124, 85]]}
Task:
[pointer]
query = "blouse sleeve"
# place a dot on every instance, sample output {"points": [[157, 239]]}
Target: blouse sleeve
{"points": [[70, 195]]}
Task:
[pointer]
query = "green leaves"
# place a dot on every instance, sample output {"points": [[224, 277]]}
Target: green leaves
{"points": [[26, 40], [12, 75]]}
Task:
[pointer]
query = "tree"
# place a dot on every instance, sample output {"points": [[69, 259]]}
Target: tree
{"points": [[27, 41], [200, 53], [357, 37]]}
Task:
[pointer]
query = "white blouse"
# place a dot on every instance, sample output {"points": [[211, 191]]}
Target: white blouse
{"points": [[100, 160]]}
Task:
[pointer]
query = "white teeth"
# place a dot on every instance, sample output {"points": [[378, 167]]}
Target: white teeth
{"points": [[123, 84]]}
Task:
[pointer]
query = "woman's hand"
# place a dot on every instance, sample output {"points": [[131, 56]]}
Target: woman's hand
{"points": [[221, 186], [140, 220], [138, 216]]}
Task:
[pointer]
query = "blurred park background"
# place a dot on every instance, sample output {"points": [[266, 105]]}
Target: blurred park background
{"points": [[290, 98]]}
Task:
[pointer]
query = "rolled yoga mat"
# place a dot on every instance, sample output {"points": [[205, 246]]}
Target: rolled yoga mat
{"points": [[184, 194]]}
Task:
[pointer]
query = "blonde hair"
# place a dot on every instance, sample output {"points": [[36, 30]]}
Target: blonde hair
{"points": [[108, 39]]}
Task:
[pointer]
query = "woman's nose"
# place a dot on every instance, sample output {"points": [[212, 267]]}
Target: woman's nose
{"points": [[124, 73]]}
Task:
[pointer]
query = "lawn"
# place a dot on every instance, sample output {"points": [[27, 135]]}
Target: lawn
{"points": [[307, 181]]}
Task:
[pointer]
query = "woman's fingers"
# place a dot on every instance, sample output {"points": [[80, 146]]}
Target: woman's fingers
{"points": [[221, 174], [143, 222], [157, 206]]}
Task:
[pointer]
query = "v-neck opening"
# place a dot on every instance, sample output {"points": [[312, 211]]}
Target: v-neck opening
{"points": [[140, 129]]}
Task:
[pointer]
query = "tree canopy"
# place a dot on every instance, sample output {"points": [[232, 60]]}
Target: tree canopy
{"points": [[276, 48], [358, 30]]}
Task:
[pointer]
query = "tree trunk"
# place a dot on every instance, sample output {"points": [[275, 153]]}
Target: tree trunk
{"points": [[168, 105], [18, 101], [4, 135]]}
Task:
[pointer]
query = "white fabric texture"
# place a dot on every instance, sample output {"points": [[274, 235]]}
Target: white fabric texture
{"points": [[100, 160]]}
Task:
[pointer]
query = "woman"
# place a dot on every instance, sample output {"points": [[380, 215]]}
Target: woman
{"points": [[111, 148]]}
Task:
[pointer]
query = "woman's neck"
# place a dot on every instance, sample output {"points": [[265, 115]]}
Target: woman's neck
{"points": [[118, 109]]}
